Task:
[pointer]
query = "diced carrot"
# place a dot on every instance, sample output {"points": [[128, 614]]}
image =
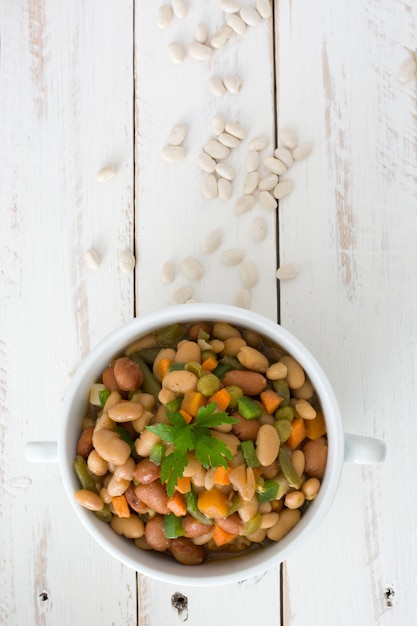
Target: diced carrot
{"points": [[192, 401], [316, 427], [188, 418], [177, 504], [298, 433], [221, 476], [222, 399], [209, 364], [183, 484], [120, 505], [270, 400], [162, 367], [221, 536], [213, 503]]}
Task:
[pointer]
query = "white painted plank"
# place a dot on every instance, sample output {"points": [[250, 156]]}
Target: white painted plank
{"points": [[66, 110], [351, 225]]}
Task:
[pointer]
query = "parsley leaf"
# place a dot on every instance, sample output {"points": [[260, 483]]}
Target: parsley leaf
{"points": [[196, 436]]}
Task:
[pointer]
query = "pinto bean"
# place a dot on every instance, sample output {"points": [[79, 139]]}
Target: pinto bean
{"points": [[154, 496], [133, 501], [109, 379], [245, 429], [231, 524], [128, 374], [187, 552], [251, 383], [85, 442], [194, 329], [154, 534], [146, 472], [315, 453], [193, 528]]}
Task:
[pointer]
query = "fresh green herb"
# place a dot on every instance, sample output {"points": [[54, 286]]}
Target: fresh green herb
{"points": [[196, 436]]}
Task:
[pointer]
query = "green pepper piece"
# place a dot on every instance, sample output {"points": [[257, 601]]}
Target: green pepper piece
{"points": [[281, 387], [174, 367], [233, 361], [104, 515], [235, 393], [268, 491], [287, 468], [173, 406], [235, 504], [249, 408], [221, 369], [157, 453], [284, 429], [103, 394], [252, 525], [195, 368], [173, 526], [169, 335], [249, 453], [84, 476], [192, 508], [202, 334], [149, 354], [150, 384], [285, 413]]}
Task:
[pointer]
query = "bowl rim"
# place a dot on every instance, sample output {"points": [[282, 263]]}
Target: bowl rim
{"points": [[159, 566]]}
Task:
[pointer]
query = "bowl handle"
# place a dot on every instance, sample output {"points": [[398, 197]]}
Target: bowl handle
{"points": [[365, 450], [41, 451]]}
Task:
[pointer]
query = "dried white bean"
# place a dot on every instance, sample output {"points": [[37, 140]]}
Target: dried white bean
{"points": [[182, 295], [221, 36], [229, 6], [268, 182], [180, 8], [92, 259], [275, 165], [244, 203], [243, 299], [177, 134], [232, 83], [250, 16], [283, 188], [264, 8], [127, 261], [225, 171], [168, 271], [201, 33], [301, 151], [284, 155], [224, 188], [258, 143], [228, 140], [259, 229], [249, 273], [192, 268], [206, 163], [216, 149], [209, 186], [218, 123], [212, 241], [407, 70], [217, 86], [106, 173], [200, 51], [288, 138], [251, 182], [164, 16], [236, 24], [233, 256], [173, 154], [286, 272], [253, 160], [236, 130], [267, 200], [176, 52]]}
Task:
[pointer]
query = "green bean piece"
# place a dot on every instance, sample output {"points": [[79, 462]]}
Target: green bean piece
{"points": [[235, 393], [208, 385], [285, 413], [195, 368], [150, 384], [282, 388], [284, 429], [174, 367], [105, 514], [287, 468], [149, 354], [169, 336], [249, 453], [173, 526], [192, 508], [268, 491], [84, 476], [249, 408], [173, 406], [221, 369], [202, 334], [236, 503], [233, 361], [157, 453]]}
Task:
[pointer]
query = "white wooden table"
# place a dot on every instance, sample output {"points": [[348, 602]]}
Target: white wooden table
{"points": [[84, 85]]}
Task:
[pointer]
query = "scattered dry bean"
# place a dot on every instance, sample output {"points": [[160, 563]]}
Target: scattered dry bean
{"points": [[164, 16], [176, 52], [251, 182], [258, 143], [217, 86], [201, 33], [216, 149], [236, 24], [243, 299], [181, 295], [209, 186], [200, 51], [252, 161], [218, 124], [173, 154], [106, 174], [228, 140], [168, 272], [192, 268], [236, 130], [284, 155], [224, 188], [212, 241], [232, 83], [233, 256], [283, 189], [206, 163], [244, 203], [287, 271], [127, 261], [225, 171], [180, 8], [267, 200], [249, 273], [275, 165], [221, 36], [288, 138], [264, 8], [177, 134], [407, 70], [301, 151], [250, 16], [92, 259], [229, 6], [268, 182]]}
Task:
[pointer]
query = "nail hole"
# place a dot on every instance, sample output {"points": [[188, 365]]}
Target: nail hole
{"points": [[180, 604], [43, 596], [389, 596]]}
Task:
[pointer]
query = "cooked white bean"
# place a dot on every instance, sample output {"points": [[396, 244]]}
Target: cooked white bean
{"points": [[228, 140], [244, 203], [259, 229], [212, 241], [125, 411], [92, 259], [284, 155], [276, 371], [176, 52], [250, 16], [301, 151], [295, 372], [288, 138], [288, 518], [218, 123], [294, 499], [304, 409], [106, 173], [267, 200], [264, 8], [251, 182], [236, 24], [201, 33], [236, 130], [209, 185], [221, 36], [232, 83], [173, 154], [88, 499], [110, 447], [287, 271], [225, 188], [283, 189], [298, 462], [206, 163], [269, 519], [164, 16], [181, 295], [253, 360], [217, 86], [233, 256], [131, 527], [200, 51], [97, 465], [252, 161], [127, 261], [216, 149], [275, 165], [177, 134], [268, 182], [249, 273], [310, 488], [168, 272], [267, 444], [407, 70], [225, 170]]}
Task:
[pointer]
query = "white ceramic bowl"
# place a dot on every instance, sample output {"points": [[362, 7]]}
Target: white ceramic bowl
{"points": [[342, 448]]}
